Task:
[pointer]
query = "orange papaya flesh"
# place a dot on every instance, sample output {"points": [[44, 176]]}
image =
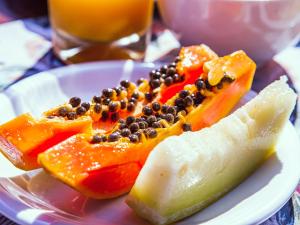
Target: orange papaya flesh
{"points": [[37, 136], [107, 125], [190, 65], [120, 167], [221, 104], [237, 66], [23, 138], [100, 171], [109, 169]]}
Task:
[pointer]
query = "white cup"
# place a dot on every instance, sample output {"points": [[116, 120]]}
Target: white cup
{"points": [[259, 27]]}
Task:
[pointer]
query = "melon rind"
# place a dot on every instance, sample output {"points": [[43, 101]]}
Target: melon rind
{"points": [[186, 173]]}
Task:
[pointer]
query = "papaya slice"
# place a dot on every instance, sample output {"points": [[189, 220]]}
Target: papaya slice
{"points": [[23, 138], [106, 166], [190, 65]]}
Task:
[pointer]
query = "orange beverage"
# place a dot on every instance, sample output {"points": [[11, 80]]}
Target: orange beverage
{"points": [[89, 27]]}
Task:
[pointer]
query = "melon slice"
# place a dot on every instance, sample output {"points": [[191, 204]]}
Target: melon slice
{"points": [[185, 173]]}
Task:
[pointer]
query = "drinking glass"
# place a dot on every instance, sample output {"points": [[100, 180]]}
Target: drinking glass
{"points": [[90, 30]]}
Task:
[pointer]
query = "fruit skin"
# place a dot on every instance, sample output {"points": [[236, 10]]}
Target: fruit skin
{"points": [[179, 181], [108, 170], [23, 138]]}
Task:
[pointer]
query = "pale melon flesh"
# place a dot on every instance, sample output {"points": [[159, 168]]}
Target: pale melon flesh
{"points": [[185, 173]]}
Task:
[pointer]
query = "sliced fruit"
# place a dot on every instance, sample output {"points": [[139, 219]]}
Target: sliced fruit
{"points": [[190, 65], [23, 138], [105, 166], [186, 173]]}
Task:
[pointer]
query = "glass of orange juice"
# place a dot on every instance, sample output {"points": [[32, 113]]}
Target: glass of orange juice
{"points": [[90, 30]]}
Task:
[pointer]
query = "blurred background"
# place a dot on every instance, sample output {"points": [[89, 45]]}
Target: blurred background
{"points": [[17, 9], [53, 33]]}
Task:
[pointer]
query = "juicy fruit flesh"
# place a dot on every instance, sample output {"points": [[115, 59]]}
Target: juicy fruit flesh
{"points": [[22, 139], [92, 170], [177, 182], [222, 103], [78, 163], [191, 65], [236, 63]]}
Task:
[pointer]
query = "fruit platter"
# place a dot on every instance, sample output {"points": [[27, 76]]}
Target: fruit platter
{"points": [[189, 143]]}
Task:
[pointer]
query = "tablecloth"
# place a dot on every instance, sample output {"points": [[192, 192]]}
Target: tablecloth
{"points": [[33, 37]]}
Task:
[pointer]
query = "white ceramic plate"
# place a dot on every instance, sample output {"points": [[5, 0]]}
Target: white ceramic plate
{"points": [[37, 198]]}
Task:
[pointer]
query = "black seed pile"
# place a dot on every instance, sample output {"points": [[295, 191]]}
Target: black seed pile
{"points": [[134, 127], [110, 98], [167, 75], [154, 116]]}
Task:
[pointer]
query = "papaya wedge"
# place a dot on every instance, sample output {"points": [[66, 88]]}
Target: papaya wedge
{"points": [[24, 137], [106, 166], [190, 65]]}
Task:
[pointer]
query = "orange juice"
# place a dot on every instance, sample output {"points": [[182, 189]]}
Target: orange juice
{"points": [[101, 20]]}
